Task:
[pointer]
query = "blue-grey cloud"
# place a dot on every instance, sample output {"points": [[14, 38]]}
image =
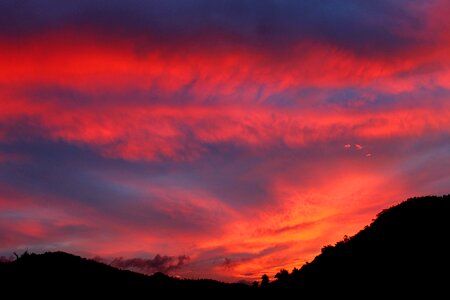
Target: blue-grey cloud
{"points": [[159, 263], [362, 26]]}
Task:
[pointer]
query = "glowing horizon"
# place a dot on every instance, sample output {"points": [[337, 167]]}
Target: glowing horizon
{"points": [[231, 138]]}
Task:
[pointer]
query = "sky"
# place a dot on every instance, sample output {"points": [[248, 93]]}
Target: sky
{"points": [[216, 139]]}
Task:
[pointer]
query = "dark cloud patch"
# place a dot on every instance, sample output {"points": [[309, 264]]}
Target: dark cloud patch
{"points": [[159, 263], [233, 259], [73, 98], [69, 97], [61, 174], [221, 256], [427, 168], [23, 128], [61, 170], [297, 227], [363, 26], [371, 100], [6, 259]]}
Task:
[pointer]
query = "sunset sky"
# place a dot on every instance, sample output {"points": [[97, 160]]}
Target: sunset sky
{"points": [[216, 139]]}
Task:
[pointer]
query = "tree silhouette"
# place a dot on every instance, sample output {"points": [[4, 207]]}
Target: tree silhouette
{"points": [[264, 281], [282, 276]]}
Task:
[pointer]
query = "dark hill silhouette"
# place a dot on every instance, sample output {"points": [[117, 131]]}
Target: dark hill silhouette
{"points": [[59, 272], [403, 252]]}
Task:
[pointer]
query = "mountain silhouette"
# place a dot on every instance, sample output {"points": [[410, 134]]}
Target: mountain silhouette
{"points": [[404, 252], [56, 273]]}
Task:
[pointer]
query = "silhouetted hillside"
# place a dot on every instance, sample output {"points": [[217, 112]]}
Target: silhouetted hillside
{"points": [[404, 251], [60, 272]]}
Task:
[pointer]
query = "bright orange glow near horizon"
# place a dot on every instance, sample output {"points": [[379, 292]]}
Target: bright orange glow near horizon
{"points": [[233, 142]]}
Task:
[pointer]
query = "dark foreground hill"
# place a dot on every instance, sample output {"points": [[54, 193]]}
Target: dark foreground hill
{"points": [[405, 251], [60, 273]]}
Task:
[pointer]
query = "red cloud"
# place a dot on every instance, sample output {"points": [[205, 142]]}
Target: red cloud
{"points": [[240, 81], [181, 133], [166, 105]]}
